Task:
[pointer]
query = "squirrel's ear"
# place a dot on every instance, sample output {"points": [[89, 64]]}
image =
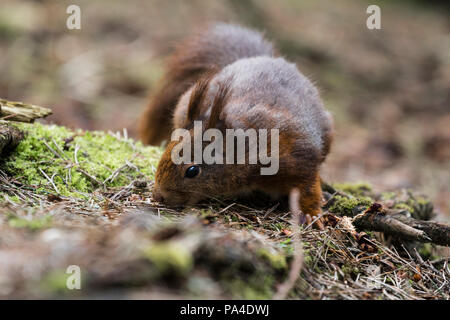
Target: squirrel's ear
{"points": [[220, 100], [197, 98]]}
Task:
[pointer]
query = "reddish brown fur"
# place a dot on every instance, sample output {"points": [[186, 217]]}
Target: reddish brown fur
{"points": [[190, 76], [196, 102], [219, 103], [183, 70]]}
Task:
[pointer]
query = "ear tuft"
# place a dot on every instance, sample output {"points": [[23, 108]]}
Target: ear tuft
{"points": [[197, 98], [219, 103]]}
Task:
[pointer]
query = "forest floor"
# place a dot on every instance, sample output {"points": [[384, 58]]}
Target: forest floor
{"points": [[80, 198], [388, 89]]}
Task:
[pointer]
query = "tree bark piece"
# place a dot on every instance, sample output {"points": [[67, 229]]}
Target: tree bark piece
{"points": [[9, 138], [22, 112], [375, 218]]}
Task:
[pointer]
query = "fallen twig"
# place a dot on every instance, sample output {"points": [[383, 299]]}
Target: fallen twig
{"points": [[22, 112], [376, 218], [437, 232], [50, 180]]}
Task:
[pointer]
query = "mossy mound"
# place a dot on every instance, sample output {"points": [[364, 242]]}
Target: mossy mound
{"points": [[346, 206], [57, 160], [355, 189]]}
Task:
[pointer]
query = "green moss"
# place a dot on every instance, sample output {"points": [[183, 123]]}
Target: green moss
{"points": [[350, 270], [170, 257], [345, 206], [32, 224], [388, 195], [278, 226], [257, 287], [270, 267], [12, 198], [427, 251], [51, 150], [287, 246], [55, 281], [403, 206], [422, 201], [307, 259], [355, 189], [418, 206], [276, 260]]}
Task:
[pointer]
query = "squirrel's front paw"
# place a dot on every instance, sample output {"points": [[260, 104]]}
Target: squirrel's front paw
{"points": [[316, 221]]}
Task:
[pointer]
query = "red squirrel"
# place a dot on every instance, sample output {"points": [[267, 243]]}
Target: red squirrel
{"points": [[230, 77]]}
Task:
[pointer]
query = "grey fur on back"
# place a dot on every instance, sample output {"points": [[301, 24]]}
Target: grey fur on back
{"points": [[225, 43], [259, 81], [293, 100]]}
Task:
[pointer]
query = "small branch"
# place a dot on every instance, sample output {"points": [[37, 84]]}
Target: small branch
{"points": [[114, 174], [22, 112], [91, 178], [438, 232], [50, 180], [375, 218], [51, 150]]}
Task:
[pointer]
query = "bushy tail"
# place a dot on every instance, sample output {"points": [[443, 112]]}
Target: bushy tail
{"points": [[208, 51]]}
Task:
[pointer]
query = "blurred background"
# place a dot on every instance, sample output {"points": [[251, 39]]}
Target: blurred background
{"points": [[389, 89]]}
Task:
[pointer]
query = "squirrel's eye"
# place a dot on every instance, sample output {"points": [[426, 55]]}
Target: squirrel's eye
{"points": [[192, 171]]}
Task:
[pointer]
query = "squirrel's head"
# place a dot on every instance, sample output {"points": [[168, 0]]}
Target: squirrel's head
{"points": [[185, 182], [188, 183]]}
